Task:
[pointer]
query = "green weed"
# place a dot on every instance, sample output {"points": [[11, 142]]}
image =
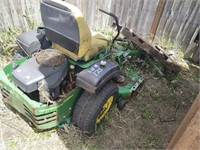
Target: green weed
{"points": [[8, 36], [169, 45], [30, 21], [13, 144], [7, 40], [146, 113], [108, 32], [152, 143]]}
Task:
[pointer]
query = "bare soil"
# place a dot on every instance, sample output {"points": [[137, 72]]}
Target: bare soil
{"points": [[148, 121]]}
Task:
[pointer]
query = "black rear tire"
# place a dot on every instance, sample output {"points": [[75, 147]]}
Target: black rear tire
{"points": [[91, 108], [18, 55]]}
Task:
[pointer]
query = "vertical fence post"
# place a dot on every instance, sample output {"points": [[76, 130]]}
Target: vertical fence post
{"points": [[156, 20], [184, 125]]}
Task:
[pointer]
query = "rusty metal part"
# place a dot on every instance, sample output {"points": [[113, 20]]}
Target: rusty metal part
{"points": [[69, 85]]}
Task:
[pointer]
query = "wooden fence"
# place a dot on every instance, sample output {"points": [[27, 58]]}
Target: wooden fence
{"points": [[174, 20], [14, 12]]}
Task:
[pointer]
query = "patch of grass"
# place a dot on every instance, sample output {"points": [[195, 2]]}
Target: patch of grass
{"points": [[165, 43], [13, 144], [152, 143], [30, 21], [74, 138], [92, 148], [153, 67], [7, 40], [176, 52], [8, 36], [108, 32], [46, 135], [146, 113]]}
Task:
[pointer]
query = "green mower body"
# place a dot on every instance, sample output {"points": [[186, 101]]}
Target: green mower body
{"points": [[45, 116], [67, 77]]}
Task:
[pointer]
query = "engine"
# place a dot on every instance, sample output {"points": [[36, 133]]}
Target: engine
{"points": [[43, 73]]}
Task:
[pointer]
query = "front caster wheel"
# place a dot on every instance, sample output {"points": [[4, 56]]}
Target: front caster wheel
{"points": [[91, 108], [121, 104]]}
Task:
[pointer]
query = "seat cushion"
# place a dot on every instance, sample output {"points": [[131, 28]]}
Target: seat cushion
{"points": [[99, 43]]}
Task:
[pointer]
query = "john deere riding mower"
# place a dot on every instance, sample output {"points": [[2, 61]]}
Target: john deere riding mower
{"points": [[61, 72]]}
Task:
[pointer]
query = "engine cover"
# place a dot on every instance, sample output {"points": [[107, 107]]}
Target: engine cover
{"points": [[32, 41], [93, 78], [30, 75]]}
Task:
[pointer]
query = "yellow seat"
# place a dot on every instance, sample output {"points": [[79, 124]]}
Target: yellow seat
{"points": [[98, 44], [67, 29]]}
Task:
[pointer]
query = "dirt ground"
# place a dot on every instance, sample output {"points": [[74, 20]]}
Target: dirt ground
{"points": [[148, 121]]}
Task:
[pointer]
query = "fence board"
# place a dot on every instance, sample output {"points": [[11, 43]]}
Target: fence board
{"points": [[164, 18], [131, 13], [179, 21], [194, 24], [149, 18], [138, 15], [142, 18], [173, 15], [183, 30], [12, 12]]}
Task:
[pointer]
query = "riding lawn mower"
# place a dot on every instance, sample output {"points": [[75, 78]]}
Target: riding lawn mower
{"points": [[62, 74]]}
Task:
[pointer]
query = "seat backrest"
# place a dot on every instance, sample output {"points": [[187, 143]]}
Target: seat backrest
{"points": [[66, 28]]}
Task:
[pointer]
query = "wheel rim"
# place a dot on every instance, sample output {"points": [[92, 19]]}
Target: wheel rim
{"points": [[105, 109]]}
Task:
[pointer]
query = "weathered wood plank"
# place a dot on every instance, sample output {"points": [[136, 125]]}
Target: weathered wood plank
{"points": [[177, 16], [164, 18], [183, 30], [192, 39], [124, 13], [156, 20], [131, 13], [151, 10], [184, 137], [138, 14], [6, 14], [13, 11], [153, 51], [179, 21], [142, 18], [194, 24], [178, 4]]}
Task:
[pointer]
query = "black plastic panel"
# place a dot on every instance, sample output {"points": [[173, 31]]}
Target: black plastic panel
{"points": [[32, 41], [29, 42], [93, 78]]}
